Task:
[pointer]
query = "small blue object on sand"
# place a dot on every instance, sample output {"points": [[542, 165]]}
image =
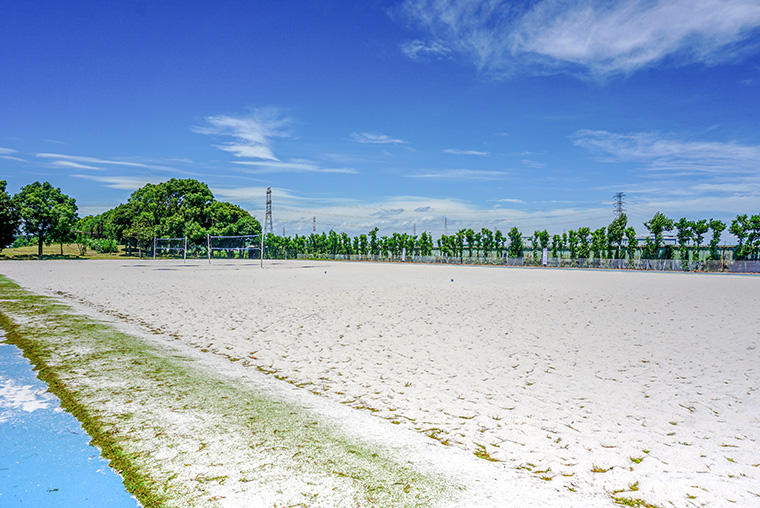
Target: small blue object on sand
{"points": [[452, 280]]}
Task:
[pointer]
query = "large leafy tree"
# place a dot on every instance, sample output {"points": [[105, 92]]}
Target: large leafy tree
{"points": [[46, 212], [9, 218]]}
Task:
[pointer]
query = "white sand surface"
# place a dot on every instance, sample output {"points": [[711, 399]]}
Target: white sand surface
{"points": [[577, 384]]}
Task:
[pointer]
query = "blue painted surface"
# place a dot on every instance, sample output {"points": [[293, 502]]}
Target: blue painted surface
{"points": [[45, 458]]}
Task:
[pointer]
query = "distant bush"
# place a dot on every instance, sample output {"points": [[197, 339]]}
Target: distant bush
{"points": [[105, 246]]}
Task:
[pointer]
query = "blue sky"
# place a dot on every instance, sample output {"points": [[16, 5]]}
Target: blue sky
{"points": [[395, 114]]}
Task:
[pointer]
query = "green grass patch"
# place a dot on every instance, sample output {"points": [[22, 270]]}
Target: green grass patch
{"points": [[126, 392]]}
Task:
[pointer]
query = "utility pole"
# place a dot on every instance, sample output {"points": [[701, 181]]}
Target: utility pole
{"points": [[618, 206], [445, 226], [268, 218], [314, 225], [414, 229]]}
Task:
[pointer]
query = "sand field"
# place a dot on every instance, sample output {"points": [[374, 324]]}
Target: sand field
{"points": [[566, 384]]}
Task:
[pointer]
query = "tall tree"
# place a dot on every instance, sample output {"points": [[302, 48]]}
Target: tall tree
{"points": [[684, 234], [9, 218], [616, 232], [699, 228], [515, 243], [584, 246], [657, 225], [632, 243], [45, 210], [717, 227]]}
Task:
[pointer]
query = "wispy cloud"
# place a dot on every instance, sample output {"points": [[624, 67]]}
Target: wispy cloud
{"points": [[460, 174], [378, 139], [456, 151], [4, 151], [532, 163], [12, 158], [592, 37], [121, 182], [75, 165], [293, 166], [510, 200], [251, 135], [62, 158], [658, 153], [417, 49]]}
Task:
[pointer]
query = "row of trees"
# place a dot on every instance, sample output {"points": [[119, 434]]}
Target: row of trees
{"points": [[176, 208], [182, 208]]}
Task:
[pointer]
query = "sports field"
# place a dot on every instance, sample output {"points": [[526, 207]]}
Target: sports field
{"points": [[514, 386]]}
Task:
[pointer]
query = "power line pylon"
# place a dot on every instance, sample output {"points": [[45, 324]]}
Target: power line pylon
{"points": [[618, 206], [268, 218]]}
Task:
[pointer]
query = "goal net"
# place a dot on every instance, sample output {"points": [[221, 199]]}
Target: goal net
{"points": [[170, 247], [234, 247]]}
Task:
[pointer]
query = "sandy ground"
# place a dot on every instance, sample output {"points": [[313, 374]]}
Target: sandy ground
{"points": [[587, 384]]}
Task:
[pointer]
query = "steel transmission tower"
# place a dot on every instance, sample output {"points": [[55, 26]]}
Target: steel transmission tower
{"points": [[268, 218], [618, 206]]}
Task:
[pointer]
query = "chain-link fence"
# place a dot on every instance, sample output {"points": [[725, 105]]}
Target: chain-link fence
{"points": [[666, 265]]}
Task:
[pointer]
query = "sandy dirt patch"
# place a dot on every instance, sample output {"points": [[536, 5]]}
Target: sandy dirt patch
{"points": [[582, 383]]}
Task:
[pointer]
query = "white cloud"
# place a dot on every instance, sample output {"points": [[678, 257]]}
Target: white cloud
{"points": [[456, 151], [379, 139], [75, 165], [94, 160], [293, 166], [12, 158], [460, 174], [510, 200], [251, 135], [596, 37], [122, 182], [671, 155], [4, 151], [418, 49]]}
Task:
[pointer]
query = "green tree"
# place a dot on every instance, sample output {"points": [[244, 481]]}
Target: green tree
{"points": [[572, 242], [374, 245], [9, 218], [632, 243], [717, 227], [616, 232], [556, 245], [46, 212], [657, 225], [599, 243], [499, 239], [699, 228], [584, 247], [516, 246], [684, 234]]}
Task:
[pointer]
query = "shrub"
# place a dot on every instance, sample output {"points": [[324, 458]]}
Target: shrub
{"points": [[105, 246]]}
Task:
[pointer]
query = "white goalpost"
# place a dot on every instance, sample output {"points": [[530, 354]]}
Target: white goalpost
{"points": [[236, 246], [170, 246]]}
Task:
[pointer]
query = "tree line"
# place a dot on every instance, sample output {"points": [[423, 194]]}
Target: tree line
{"points": [[618, 240], [175, 208], [181, 208]]}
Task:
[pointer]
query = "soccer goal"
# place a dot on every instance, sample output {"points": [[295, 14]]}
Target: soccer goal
{"points": [[236, 247], [171, 247]]}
